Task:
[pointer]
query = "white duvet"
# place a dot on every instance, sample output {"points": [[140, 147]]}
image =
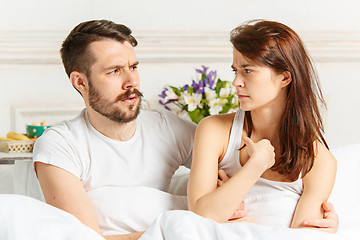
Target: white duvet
{"points": [[185, 225], [25, 218], [136, 208]]}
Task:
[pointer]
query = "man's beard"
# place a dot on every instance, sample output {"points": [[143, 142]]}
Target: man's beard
{"points": [[109, 110]]}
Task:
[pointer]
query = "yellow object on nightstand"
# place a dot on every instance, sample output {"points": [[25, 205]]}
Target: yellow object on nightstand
{"points": [[16, 143]]}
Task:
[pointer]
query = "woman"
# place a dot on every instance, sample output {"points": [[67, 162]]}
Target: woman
{"points": [[273, 147]]}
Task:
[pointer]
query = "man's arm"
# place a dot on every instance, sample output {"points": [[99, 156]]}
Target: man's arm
{"points": [[64, 190]]}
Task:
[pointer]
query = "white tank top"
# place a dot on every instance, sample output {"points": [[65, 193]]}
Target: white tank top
{"points": [[268, 202]]}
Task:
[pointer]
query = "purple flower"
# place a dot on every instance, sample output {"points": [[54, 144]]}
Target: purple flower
{"points": [[163, 93], [211, 78], [164, 105], [198, 87], [204, 70], [195, 86]]}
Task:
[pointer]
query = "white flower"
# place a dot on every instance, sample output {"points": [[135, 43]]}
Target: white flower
{"points": [[233, 90], [209, 94], [234, 101], [170, 95], [215, 106], [223, 101], [225, 92], [193, 101]]}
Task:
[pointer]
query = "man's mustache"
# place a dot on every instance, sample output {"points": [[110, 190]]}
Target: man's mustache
{"points": [[127, 94]]}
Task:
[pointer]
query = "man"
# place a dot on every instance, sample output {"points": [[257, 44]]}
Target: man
{"points": [[92, 165]]}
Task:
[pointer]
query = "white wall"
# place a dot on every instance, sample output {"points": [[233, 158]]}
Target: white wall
{"points": [[174, 38]]}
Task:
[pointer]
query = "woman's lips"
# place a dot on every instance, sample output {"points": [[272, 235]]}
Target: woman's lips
{"points": [[241, 96]]}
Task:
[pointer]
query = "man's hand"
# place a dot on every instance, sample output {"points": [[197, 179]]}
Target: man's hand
{"points": [[330, 221]]}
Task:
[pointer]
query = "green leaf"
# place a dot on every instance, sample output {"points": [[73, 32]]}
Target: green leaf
{"points": [[218, 87], [225, 109], [191, 90], [196, 115], [176, 90]]}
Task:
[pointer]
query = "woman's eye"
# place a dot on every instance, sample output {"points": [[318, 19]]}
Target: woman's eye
{"points": [[247, 70], [234, 71]]}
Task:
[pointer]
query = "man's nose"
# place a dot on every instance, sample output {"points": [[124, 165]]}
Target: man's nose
{"points": [[131, 80]]}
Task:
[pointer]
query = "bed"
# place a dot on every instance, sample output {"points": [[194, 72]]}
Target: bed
{"points": [[24, 215]]}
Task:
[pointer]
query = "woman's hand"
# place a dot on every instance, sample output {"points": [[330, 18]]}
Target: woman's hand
{"points": [[261, 153]]}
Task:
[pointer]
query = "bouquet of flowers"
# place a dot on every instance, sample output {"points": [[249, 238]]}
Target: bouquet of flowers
{"points": [[204, 97]]}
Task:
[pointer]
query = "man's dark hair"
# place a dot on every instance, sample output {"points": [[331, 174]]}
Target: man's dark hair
{"points": [[74, 51]]}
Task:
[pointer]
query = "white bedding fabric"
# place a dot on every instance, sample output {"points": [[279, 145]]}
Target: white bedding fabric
{"points": [[26, 218], [137, 207], [185, 225], [346, 192], [23, 218]]}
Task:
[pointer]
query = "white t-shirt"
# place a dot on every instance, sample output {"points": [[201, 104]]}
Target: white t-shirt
{"points": [[139, 167]]}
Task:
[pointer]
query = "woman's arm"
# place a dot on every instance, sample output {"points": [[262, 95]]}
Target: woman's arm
{"points": [[318, 184], [210, 143]]}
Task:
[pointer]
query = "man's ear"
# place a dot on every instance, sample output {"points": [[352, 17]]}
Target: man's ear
{"points": [[79, 81], [286, 79]]}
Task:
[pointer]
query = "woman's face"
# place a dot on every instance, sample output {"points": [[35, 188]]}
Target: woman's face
{"points": [[258, 86]]}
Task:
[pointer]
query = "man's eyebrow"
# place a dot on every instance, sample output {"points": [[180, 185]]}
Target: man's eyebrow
{"points": [[135, 64], [114, 67], [119, 66]]}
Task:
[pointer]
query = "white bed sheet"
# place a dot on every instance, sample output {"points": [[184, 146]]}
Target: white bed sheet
{"points": [[23, 217], [185, 225], [345, 195]]}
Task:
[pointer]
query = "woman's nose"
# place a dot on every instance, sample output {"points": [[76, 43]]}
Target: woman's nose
{"points": [[238, 81]]}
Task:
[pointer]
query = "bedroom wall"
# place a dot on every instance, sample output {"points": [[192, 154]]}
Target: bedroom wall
{"points": [[174, 38]]}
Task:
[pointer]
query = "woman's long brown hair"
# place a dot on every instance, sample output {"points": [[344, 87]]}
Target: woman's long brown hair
{"points": [[277, 46]]}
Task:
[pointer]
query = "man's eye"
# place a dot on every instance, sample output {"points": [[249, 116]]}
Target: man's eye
{"points": [[115, 71], [234, 71], [247, 70], [133, 67]]}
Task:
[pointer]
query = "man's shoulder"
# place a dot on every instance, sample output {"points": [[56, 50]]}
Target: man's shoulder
{"points": [[66, 127]]}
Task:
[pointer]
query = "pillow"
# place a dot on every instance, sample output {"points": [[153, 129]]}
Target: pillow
{"points": [[178, 185]]}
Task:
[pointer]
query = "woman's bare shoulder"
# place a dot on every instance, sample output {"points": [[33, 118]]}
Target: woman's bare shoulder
{"points": [[323, 154], [324, 162], [216, 127], [219, 120]]}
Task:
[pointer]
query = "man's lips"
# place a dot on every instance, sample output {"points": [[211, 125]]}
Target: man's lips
{"points": [[129, 96], [131, 99]]}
